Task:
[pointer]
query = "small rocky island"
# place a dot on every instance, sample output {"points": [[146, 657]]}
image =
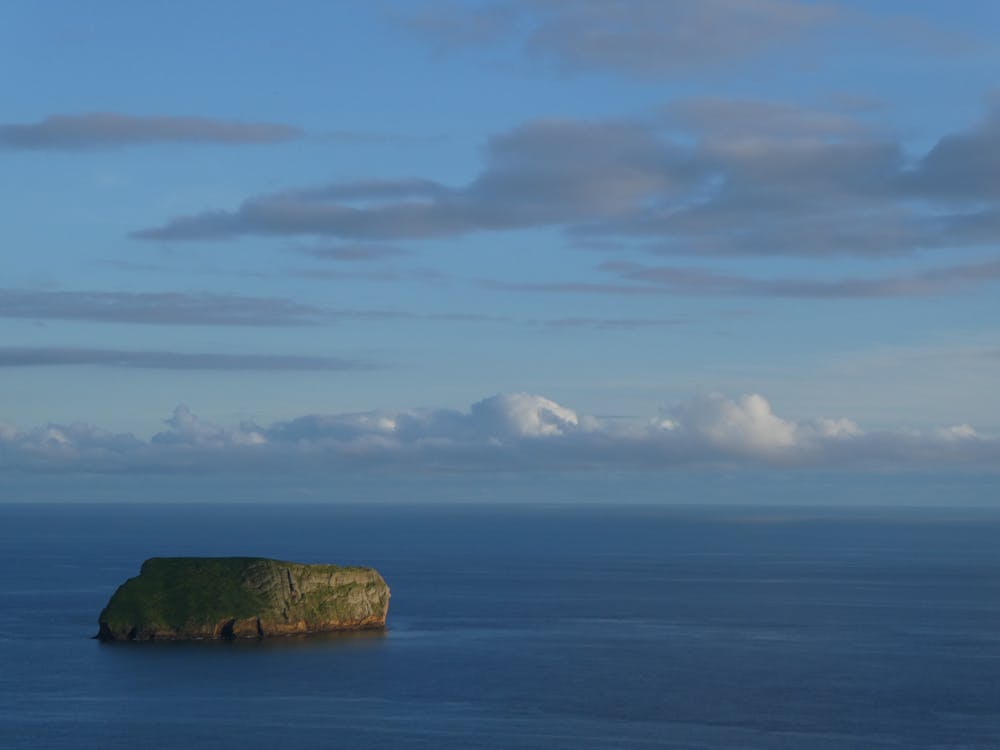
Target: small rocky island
{"points": [[196, 598]]}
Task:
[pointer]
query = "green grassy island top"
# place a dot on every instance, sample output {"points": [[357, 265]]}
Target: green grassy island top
{"points": [[242, 597]]}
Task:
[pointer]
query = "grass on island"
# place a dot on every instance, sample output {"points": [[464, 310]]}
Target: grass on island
{"points": [[169, 590]]}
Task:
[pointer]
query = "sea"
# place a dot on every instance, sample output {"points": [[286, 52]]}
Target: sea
{"points": [[523, 625]]}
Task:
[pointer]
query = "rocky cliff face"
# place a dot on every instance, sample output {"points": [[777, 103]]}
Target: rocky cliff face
{"points": [[242, 597]]}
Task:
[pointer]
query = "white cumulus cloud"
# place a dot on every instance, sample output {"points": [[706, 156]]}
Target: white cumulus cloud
{"points": [[504, 431]]}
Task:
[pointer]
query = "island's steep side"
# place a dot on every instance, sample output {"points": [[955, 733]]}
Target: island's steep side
{"points": [[180, 598]]}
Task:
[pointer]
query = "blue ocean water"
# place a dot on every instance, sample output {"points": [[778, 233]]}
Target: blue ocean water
{"points": [[524, 627]]}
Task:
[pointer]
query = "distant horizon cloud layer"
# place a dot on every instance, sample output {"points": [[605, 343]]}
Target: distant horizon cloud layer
{"points": [[516, 431]]}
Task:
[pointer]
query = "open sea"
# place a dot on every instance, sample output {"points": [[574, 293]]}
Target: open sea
{"points": [[523, 626]]}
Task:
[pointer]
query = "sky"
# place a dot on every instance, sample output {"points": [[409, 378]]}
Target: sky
{"points": [[519, 235]]}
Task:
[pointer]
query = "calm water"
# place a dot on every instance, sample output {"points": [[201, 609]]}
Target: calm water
{"points": [[524, 628]]}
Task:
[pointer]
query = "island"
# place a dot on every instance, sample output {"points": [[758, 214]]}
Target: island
{"points": [[200, 598]]}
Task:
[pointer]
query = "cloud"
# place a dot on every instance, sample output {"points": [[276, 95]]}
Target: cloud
{"points": [[611, 324], [545, 172], [705, 177], [646, 38], [166, 360], [330, 210], [653, 38], [157, 308], [67, 446], [354, 253], [962, 165], [650, 39], [742, 123], [204, 309], [507, 431], [100, 130], [641, 280], [187, 430], [747, 426], [451, 25], [571, 287], [696, 281], [778, 179], [522, 415]]}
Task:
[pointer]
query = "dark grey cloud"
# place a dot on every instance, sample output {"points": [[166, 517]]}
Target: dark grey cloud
{"points": [[962, 166], [975, 227], [778, 179], [546, 172], [167, 360], [646, 38], [550, 172], [157, 308], [506, 431], [705, 177], [727, 122], [331, 210], [98, 130]]}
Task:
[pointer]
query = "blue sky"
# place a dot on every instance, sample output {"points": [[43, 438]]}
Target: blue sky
{"points": [[526, 233]]}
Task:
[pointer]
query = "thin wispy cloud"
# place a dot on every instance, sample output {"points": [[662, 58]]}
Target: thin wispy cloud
{"points": [[202, 309], [663, 39], [157, 308], [352, 253], [645, 38], [170, 360], [687, 281], [570, 287], [611, 324], [380, 275], [679, 280], [506, 431], [101, 130]]}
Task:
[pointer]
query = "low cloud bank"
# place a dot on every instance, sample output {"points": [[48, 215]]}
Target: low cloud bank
{"points": [[506, 431]]}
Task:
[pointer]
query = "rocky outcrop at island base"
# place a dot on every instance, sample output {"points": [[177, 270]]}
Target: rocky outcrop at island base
{"points": [[192, 598]]}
